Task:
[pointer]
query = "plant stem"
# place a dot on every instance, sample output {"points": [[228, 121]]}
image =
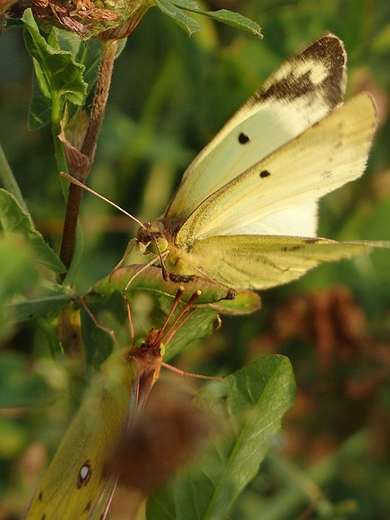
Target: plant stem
{"points": [[88, 148]]}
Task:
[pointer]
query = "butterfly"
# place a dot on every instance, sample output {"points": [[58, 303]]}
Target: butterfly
{"points": [[77, 483], [245, 212]]}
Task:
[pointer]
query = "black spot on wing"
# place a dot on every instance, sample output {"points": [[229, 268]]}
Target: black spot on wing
{"points": [[264, 174], [84, 474], [291, 249], [297, 247], [243, 138]]}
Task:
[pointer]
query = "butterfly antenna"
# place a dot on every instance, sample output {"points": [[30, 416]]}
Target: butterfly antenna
{"points": [[179, 294], [73, 180], [78, 183], [180, 320], [183, 316]]}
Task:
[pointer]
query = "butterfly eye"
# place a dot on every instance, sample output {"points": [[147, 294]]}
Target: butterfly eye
{"points": [[158, 246]]}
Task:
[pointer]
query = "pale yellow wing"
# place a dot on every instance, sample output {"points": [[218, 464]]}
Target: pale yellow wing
{"points": [[303, 90], [74, 486], [323, 158], [260, 262]]}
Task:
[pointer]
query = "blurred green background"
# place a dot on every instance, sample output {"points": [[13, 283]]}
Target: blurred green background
{"points": [[170, 94]]}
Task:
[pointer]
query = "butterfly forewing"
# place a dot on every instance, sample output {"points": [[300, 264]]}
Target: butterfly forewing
{"points": [[323, 158], [303, 90]]}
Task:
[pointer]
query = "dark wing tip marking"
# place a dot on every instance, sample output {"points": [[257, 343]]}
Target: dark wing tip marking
{"points": [[264, 174], [330, 53], [329, 50], [243, 138]]}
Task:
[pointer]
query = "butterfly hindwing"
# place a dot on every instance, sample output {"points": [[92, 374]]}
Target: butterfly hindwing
{"points": [[260, 262], [75, 484]]}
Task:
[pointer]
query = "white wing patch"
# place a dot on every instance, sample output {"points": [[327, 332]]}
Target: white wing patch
{"points": [[298, 221]]}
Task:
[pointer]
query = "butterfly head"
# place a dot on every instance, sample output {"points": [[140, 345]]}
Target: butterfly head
{"points": [[151, 238], [156, 236]]}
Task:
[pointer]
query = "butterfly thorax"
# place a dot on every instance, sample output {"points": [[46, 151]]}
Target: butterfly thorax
{"points": [[149, 358]]}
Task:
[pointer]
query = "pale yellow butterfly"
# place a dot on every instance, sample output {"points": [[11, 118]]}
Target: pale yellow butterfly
{"points": [[245, 213], [77, 484]]}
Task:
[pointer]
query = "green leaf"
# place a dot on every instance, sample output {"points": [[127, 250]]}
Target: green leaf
{"points": [[18, 386], [233, 19], [14, 219], [40, 105], [173, 9], [28, 310], [253, 401], [58, 77], [19, 273], [15, 276], [86, 53], [150, 279], [149, 309], [185, 21]]}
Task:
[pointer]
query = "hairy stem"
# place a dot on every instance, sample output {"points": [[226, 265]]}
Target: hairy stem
{"points": [[88, 148]]}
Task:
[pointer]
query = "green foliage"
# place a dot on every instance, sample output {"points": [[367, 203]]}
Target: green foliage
{"points": [[19, 389], [174, 10], [254, 399], [14, 220], [58, 77]]}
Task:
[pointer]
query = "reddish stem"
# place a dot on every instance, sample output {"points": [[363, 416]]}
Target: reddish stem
{"points": [[88, 148]]}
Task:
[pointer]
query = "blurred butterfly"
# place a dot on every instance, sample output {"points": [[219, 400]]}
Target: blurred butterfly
{"points": [[77, 484], [245, 212]]}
